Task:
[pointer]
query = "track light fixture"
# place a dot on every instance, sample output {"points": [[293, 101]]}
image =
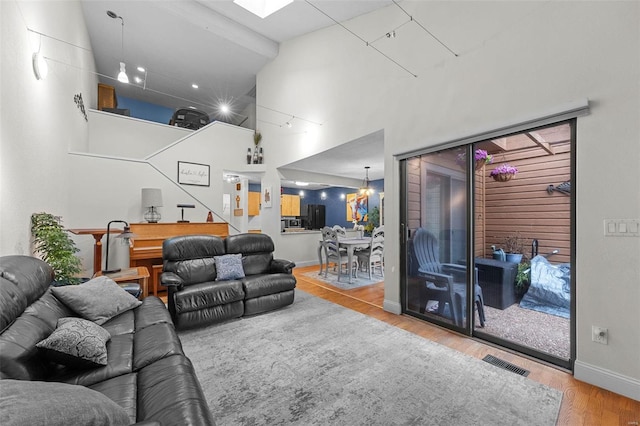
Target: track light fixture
{"points": [[122, 75]]}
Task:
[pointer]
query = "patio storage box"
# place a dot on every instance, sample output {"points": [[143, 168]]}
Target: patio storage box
{"points": [[497, 280]]}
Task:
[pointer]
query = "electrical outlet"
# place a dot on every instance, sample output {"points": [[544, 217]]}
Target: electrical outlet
{"points": [[599, 334]]}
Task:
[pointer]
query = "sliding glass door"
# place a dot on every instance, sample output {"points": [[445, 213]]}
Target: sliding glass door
{"points": [[436, 237], [488, 240]]}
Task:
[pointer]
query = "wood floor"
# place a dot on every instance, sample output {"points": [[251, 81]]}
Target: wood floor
{"points": [[582, 404]]}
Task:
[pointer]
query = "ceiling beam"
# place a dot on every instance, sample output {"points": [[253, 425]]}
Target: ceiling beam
{"points": [[535, 137], [200, 15]]}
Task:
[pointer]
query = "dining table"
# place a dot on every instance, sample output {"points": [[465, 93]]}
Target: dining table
{"points": [[350, 244]]}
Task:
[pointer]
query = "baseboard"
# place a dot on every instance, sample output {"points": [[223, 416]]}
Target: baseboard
{"points": [[393, 307], [607, 379]]}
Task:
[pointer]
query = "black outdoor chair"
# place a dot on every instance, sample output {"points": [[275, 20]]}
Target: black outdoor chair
{"points": [[443, 282]]}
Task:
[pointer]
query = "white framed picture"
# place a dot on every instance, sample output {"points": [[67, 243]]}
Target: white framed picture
{"points": [[267, 195]]}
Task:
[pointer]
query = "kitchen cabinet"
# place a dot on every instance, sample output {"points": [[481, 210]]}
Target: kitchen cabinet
{"points": [[289, 205], [254, 203], [106, 97]]}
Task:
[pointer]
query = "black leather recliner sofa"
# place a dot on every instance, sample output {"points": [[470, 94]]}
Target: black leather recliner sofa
{"points": [[196, 298], [147, 373]]}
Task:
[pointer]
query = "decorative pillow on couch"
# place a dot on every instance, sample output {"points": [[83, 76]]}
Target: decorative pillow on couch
{"points": [[229, 267], [97, 300], [24, 402], [76, 342]]}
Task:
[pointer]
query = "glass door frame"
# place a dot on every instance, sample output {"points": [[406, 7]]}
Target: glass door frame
{"points": [[469, 328]]}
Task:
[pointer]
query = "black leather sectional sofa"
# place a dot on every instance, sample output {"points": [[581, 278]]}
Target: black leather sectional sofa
{"points": [[147, 374]]}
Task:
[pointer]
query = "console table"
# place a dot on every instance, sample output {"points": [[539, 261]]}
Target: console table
{"points": [[146, 247]]}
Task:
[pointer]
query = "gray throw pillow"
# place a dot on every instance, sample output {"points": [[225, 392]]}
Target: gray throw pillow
{"points": [[229, 267], [24, 402], [97, 300], [76, 342]]}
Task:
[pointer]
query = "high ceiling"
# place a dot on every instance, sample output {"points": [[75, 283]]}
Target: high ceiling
{"points": [[215, 44]]}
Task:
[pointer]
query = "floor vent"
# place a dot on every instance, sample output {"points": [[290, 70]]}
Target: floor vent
{"points": [[506, 365]]}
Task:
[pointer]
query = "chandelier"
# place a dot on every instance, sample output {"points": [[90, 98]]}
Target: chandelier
{"points": [[366, 188]]}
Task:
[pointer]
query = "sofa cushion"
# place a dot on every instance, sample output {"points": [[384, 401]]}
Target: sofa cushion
{"points": [[208, 294], [40, 403], [76, 342], [123, 390], [190, 257], [169, 392], [23, 279], [229, 267], [153, 343], [98, 300], [119, 362], [261, 285], [256, 250]]}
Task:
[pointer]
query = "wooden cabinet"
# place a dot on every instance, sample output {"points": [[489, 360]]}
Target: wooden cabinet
{"points": [[289, 205], [254, 203], [106, 97]]}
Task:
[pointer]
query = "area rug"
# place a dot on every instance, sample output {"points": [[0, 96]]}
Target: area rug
{"points": [[317, 363], [332, 279]]}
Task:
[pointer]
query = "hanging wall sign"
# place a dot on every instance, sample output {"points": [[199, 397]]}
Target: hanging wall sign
{"points": [[193, 174]]}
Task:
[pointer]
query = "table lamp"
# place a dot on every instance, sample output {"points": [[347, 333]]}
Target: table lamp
{"points": [[185, 206], [151, 198], [126, 233]]}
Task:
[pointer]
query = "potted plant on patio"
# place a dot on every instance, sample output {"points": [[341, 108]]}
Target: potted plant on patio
{"points": [[54, 245], [503, 172], [523, 278], [481, 157], [514, 247]]}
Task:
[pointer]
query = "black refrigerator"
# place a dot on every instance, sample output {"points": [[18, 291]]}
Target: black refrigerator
{"points": [[315, 216]]}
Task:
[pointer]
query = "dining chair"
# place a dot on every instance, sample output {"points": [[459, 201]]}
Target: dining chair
{"points": [[340, 230], [373, 256], [333, 252]]}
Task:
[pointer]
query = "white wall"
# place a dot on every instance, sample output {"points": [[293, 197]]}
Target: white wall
{"points": [[39, 120], [49, 162], [516, 60], [129, 137]]}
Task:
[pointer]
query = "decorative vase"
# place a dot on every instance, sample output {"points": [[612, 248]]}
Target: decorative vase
{"points": [[255, 155], [502, 177], [249, 156]]}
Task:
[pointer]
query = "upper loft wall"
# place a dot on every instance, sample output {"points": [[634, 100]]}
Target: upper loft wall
{"points": [[113, 134]]}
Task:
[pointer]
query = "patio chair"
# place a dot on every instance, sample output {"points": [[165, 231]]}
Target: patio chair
{"points": [[373, 255], [444, 282], [333, 252]]}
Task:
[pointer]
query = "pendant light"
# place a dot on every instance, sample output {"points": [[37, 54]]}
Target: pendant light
{"points": [[122, 75], [366, 189]]}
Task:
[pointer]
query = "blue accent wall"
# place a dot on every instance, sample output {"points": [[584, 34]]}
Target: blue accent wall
{"points": [[145, 110], [336, 208]]}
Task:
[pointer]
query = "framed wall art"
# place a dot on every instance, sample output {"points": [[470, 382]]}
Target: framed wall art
{"points": [[357, 207], [193, 174]]}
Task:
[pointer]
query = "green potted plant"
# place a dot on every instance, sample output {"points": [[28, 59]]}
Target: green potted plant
{"points": [[523, 278], [373, 220], [54, 245]]}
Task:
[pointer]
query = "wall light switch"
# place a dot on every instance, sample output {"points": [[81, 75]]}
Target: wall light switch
{"points": [[622, 228], [610, 227]]}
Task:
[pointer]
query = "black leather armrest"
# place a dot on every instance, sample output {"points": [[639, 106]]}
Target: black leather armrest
{"points": [[169, 279], [282, 266]]}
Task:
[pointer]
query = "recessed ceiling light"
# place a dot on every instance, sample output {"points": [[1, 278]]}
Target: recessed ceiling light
{"points": [[299, 183], [192, 107], [137, 79], [141, 69], [195, 86], [224, 108], [262, 8]]}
